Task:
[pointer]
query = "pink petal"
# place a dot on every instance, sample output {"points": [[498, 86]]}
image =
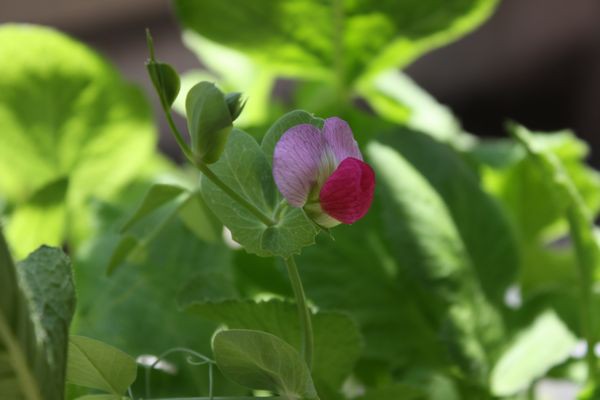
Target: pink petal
{"points": [[340, 140], [296, 161], [348, 193]]}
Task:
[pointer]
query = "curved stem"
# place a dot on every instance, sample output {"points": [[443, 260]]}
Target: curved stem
{"points": [[303, 310]]}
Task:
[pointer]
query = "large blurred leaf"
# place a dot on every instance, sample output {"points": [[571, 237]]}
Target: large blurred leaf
{"points": [[245, 169], [339, 39], [66, 113], [337, 340], [546, 343], [37, 301], [430, 249], [141, 296]]}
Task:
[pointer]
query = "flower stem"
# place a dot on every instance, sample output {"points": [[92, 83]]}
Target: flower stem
{"points": [[187, 151], [303, 310]]}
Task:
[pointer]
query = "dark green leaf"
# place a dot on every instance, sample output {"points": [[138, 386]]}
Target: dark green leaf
{"points": [[165, 80], [262, 361], [96, 365], [396, 391], [37, 302]]}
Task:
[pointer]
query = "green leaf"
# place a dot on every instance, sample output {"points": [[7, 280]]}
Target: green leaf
{"points": [[41, 219], [165, 80], [262, 361], [396, 391], [546, 343], [245, 168], [232, 71], [344, 39], [209, 121], [102, 397], [337, 340], [284, 123], [37, 302], [96, 365], [429, 246], [158, 195], [196, 215], [70, 117]]}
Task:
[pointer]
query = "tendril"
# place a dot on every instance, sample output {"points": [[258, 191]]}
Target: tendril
{"points": [[193, 358]]}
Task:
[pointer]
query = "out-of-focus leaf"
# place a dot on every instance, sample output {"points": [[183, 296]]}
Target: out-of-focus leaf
{"points": [[432, 251], [340, 40], [262, 361], [233, 71], [546, 343], [196, 215], [96, 365], [337, 340], [395, 97], [245, 168], [37, 302], [71, 116], [396, 391], [41, 219], [158, 195]]}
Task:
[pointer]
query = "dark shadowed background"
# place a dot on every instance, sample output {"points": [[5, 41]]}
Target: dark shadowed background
{"points": [[535, 61]]}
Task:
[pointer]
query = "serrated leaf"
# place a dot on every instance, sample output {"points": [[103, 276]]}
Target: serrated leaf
{"points": [[244, 168], [97, 365], [37, 302], [262, 361], [337, 339], [158, 195], [544, 344]]}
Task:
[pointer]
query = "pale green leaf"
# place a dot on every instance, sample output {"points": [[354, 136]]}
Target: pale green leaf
{"points": [[41, 219], [546, 343], [71, 116], [97, 365], [37, 302], [262, 361], [338, 40]]}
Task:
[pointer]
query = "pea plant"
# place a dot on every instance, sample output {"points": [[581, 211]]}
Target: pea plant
{"points": [[345, 240]]}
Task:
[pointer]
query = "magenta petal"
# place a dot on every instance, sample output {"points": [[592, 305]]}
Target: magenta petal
{"points": [[348, 193], [296, 162], [340, 140]]}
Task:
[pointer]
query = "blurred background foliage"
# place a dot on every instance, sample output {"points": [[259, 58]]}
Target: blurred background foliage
{"points": [[465, 283]]}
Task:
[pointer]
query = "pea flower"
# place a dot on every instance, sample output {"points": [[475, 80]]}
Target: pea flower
{"points": [[323, 172]]}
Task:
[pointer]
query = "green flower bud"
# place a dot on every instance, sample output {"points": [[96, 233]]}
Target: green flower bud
{"points": [[166, 81], [210, 121], [235, 103]]}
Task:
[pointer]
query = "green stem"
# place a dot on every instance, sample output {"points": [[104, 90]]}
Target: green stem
{"points": [[586, 266], [303, 310], [233, 194], [187, 151]]}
